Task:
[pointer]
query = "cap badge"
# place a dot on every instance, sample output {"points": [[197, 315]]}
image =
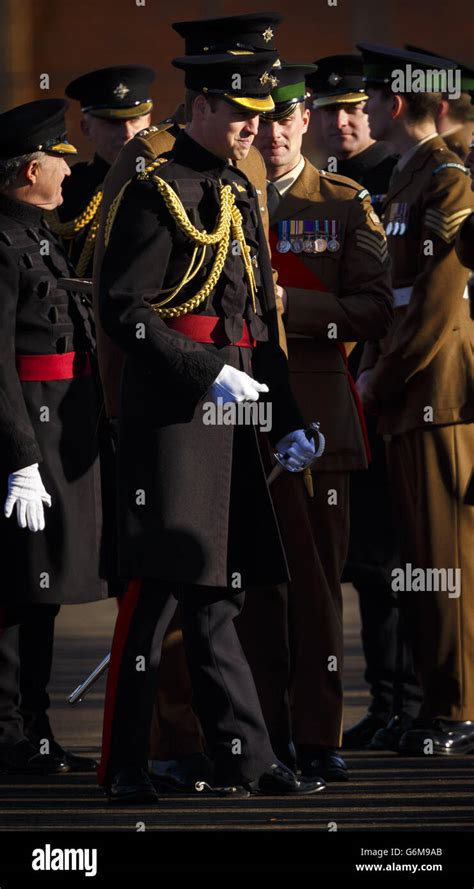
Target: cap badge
{"points": [[121, 91], [267, 35], [269, 78], [334, 79]]}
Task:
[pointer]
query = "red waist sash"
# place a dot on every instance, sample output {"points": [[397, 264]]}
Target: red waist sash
{"points": [[209, 329], [53, 367], [292, 272]]}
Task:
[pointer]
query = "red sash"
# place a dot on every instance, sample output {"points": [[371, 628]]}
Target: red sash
{"points": [[65, 366], [209, 329], [292, 272]]}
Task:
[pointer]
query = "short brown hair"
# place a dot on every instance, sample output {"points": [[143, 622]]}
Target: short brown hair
{"points": [[459, 109], [190, 97], [420, 106]]}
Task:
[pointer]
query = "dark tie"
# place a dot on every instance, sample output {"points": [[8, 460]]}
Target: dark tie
{"points": [[273, 199]]}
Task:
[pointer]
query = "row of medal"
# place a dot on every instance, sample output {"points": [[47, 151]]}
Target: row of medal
{"points": [[398, 219], [309, 236]]}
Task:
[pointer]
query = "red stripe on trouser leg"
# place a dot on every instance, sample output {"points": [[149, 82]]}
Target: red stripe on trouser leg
{"points": [[126, 611]]}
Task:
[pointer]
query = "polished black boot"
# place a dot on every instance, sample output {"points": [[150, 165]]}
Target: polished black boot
{"points": [[388, 738], [322, 762], [448, 738], [359, 736]]}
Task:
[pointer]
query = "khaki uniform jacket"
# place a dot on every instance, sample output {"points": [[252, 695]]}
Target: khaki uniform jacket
{"points": [[426, 361], [358, 301], [465, 242], [458, 142], [146, 146]]}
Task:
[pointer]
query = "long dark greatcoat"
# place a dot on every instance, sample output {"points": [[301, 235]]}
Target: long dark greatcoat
{"points": [[194, 506], [51, 422]]}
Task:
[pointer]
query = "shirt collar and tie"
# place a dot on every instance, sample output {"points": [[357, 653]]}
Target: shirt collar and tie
{"points": [[278, 188], [405, 158]]}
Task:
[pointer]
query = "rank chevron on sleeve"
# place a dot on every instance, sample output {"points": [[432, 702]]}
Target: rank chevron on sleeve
{"points": [[446, 224], [372, 243]]}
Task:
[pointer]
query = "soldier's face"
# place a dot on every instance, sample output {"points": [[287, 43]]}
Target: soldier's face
{"points": [[379, 113], [280, 141], [110, 135], [345, 129], [228, 130], [45, 178]]}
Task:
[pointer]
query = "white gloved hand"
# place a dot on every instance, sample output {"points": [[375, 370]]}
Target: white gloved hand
{"points": [[297, 449], [234, 385], [26, 489]]}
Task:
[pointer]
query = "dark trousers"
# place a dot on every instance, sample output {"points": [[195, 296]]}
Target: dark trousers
{"points": [[224, 692], [389, 670], [26, 655]]}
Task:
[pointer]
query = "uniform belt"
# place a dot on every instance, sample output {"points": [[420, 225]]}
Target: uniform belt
{"points": [[209, 329], [402, 296], [53, 367]]}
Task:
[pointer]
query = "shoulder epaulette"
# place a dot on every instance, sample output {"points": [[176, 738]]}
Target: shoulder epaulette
{"points": [[150, 168], [162, 127], [450, 164], [344, 181]]}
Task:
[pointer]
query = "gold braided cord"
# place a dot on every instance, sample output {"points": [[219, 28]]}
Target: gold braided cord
{"points": [[113, 209], [72, 228], [82, 263], [181, 218], [229, 222], [190, 273], [205, 290]]}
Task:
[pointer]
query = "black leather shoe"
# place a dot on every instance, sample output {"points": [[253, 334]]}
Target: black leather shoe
{"points": [[23, 758], [359, 736], [323, 762], [75, 763], [180, 776], [132, 785], [388, 738], [449, 737], [280, 781]]}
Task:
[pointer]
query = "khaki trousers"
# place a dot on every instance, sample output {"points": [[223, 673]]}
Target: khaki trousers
{"points": [[293, 637], [431, 471]]}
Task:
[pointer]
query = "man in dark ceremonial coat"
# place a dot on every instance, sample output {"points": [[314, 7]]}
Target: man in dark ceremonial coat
{"points": [[115, 105], [196, 523], [49, 437]]}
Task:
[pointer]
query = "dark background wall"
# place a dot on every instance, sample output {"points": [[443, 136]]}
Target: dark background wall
{"points": [[64, 38]]}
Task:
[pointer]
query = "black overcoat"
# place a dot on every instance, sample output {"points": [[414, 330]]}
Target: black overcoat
{"points": [[194, 506], [51, 422]]}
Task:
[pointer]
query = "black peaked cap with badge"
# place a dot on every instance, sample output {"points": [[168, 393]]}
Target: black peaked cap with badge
{"points": [[338, 79], [467, 73], [380, 62], [120, 92], [290, 90], [216, 76], [35, 126], [245, 33]]}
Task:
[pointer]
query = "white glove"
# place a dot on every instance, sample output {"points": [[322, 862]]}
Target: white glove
{"points": [[234, 385], [297, 449], [26, 489]]}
